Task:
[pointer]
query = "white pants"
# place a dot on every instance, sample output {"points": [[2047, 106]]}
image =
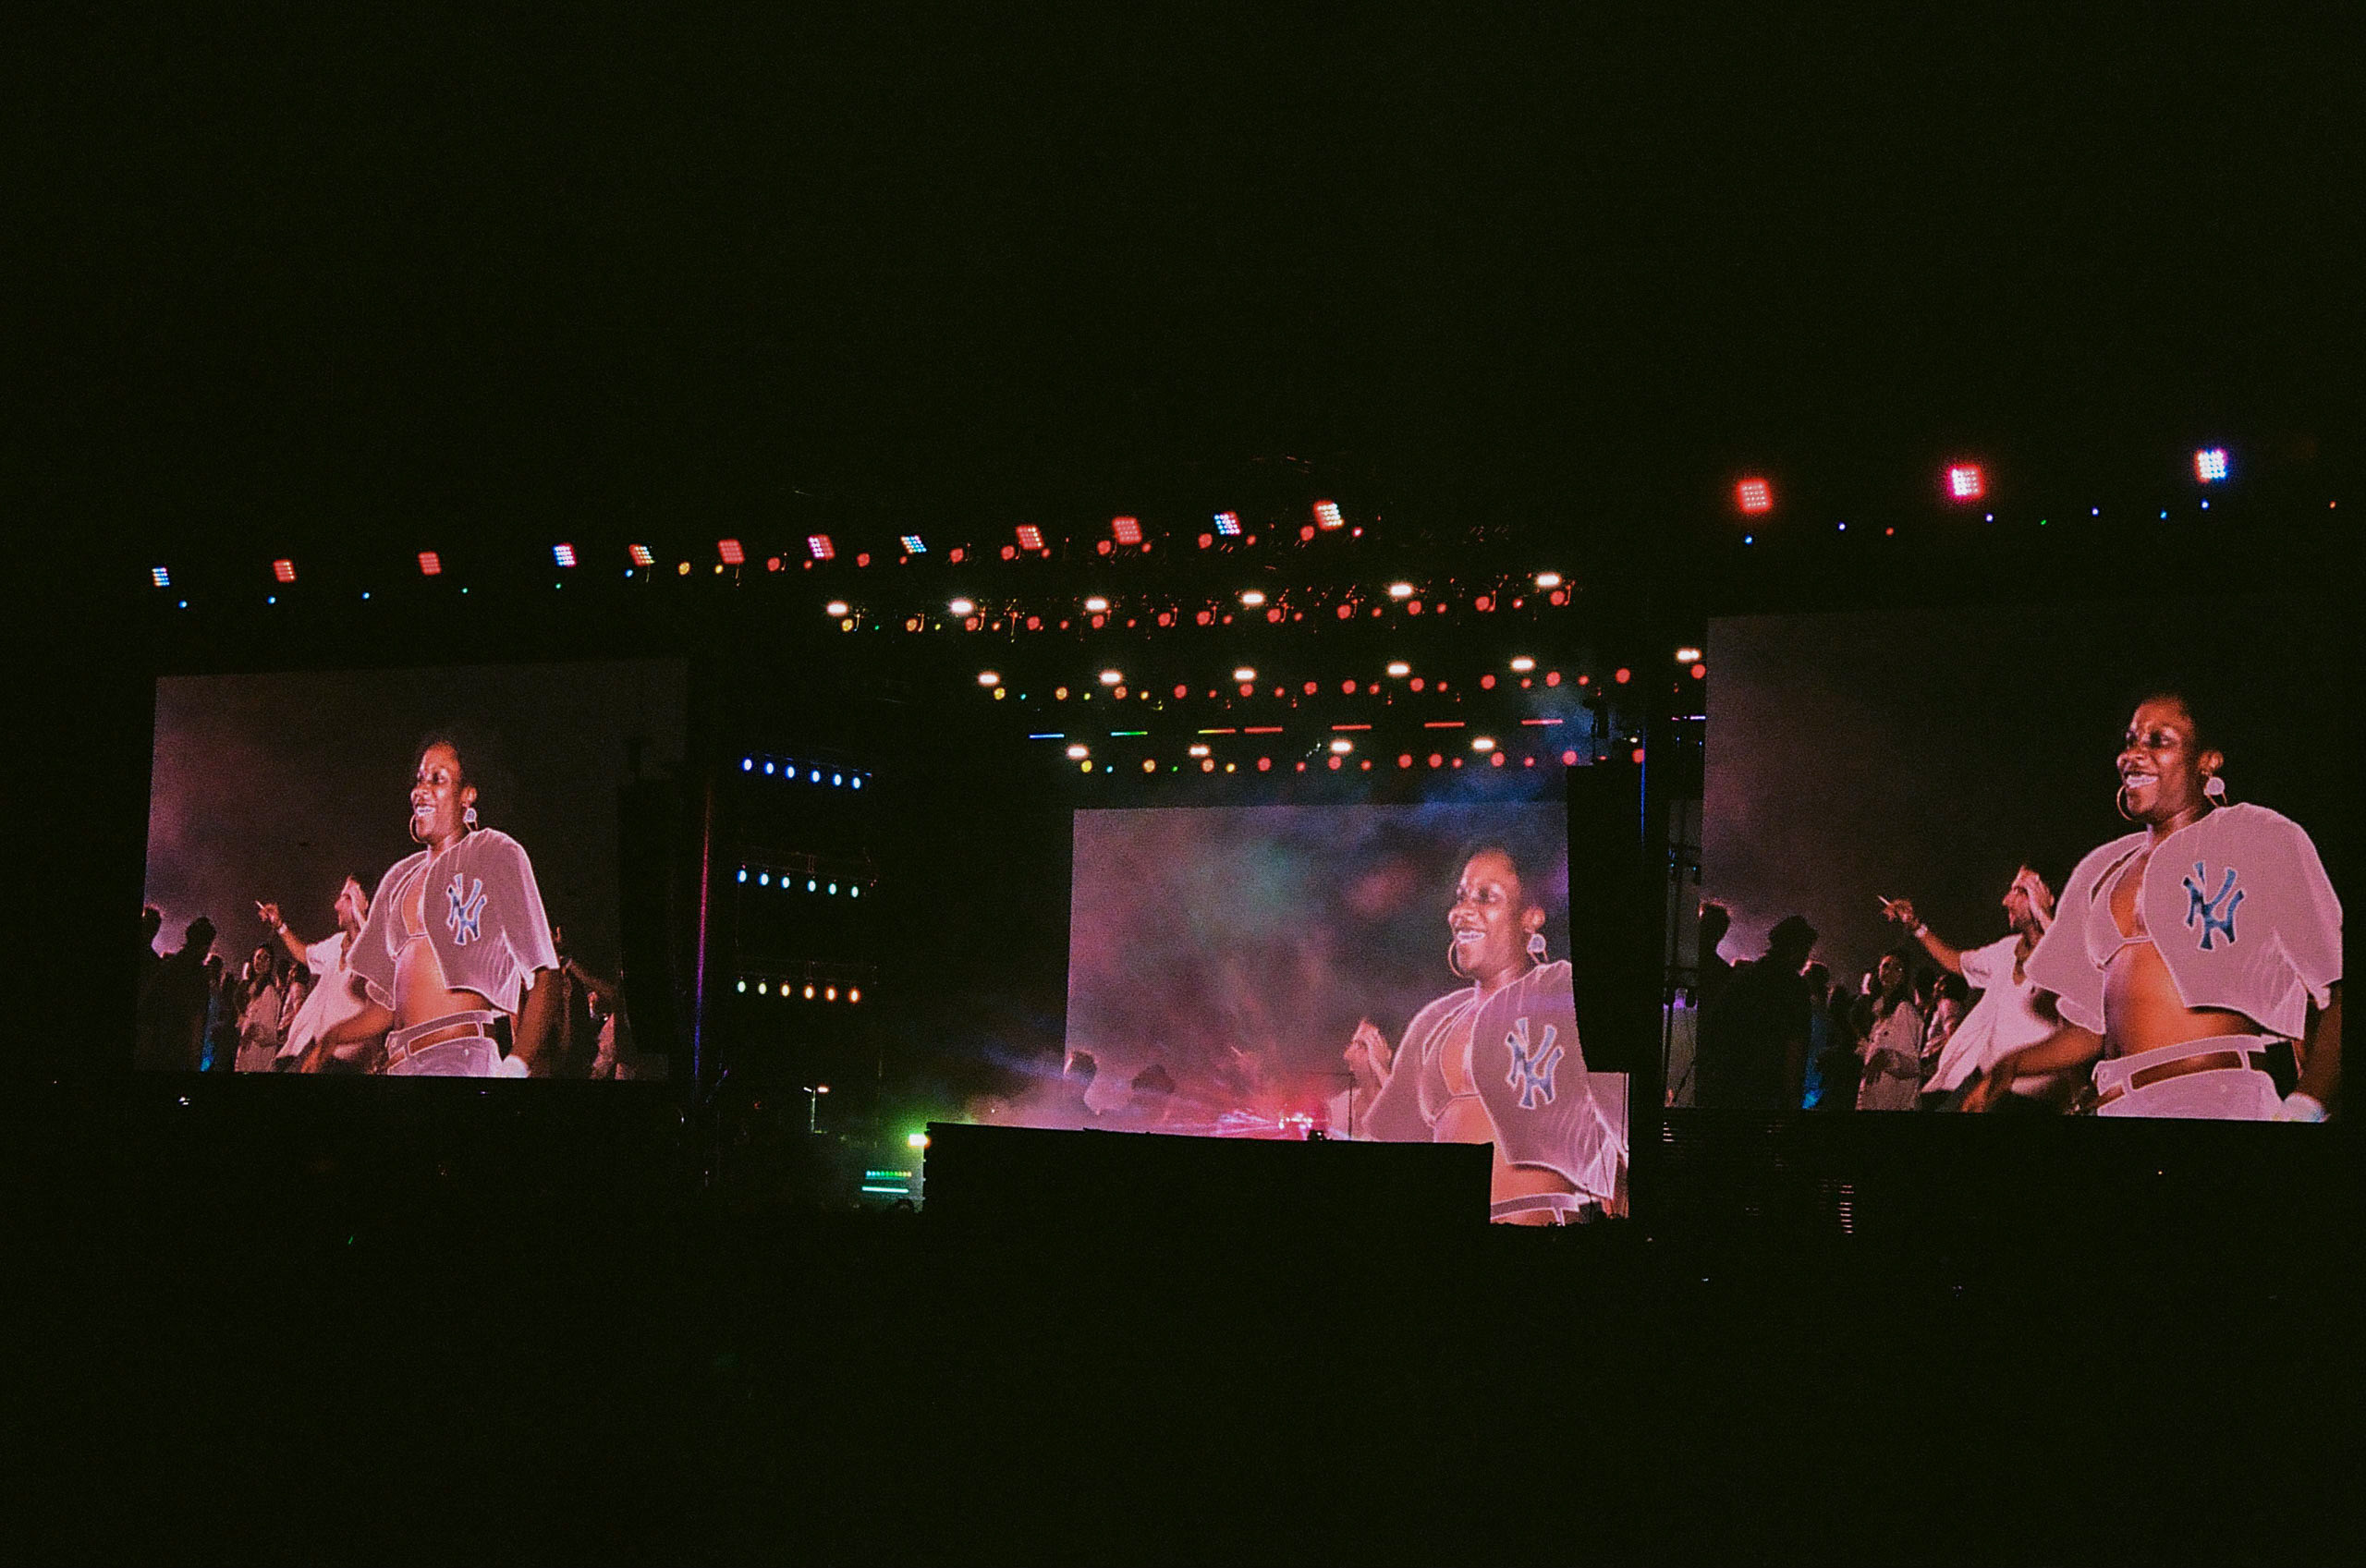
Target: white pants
{"points": [[2216, 1094]]}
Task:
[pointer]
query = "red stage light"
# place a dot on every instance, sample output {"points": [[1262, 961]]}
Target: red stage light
{"points": [[1415, 682], [1206, 540], [641, 555], [1030, 537], [1494, 759], [283, 569], [1483, 603], [1348, 686], [1568, 759], [1552, 677], [1326, 513], [819, 543], [1436, 760], [1636, 756], [1622, 676], [772, 563], [1264, 763], [954, 555], [1334, 764], [1487, 682], [1206, 617], [1128, 530], [1010, 552], [1404, 758], [431, 564], [1699, 670], [1312, 687], [730, 552], [1966, 481], [1754, 497]]}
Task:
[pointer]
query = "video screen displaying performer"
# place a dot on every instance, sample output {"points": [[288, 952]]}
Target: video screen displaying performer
{"points": [[2083, 859], [428, 859], [1391, 973]]}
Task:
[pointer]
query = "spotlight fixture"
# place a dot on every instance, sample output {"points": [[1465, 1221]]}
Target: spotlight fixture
{"points": [[819, 543], [1400, 590], [1252, 598], [639, 555], [1481, 743], [1096, 606], [563, 555], [1400, 669], [1228, 524], [1111, 677], [1548, 579], [1342, 747], [961, 607], [1522, 664], [988, 677], [1754, 497], [1688, 656], [914, 545], [837, 609], [1127, 531], [283, 569], [1030, 537], [159, 576], [1078, 753], [2210, 465], [1966, 481], [729, 549], [1326, 514], [431, 564]]}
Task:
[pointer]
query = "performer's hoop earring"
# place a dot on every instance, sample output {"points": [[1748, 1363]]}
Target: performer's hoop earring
{"points": [[2119, 803], [2213, 789], [469, 816], [1454, 960], [1536, 945]]}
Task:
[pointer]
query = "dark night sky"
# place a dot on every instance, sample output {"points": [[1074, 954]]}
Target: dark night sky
{"points": [[1925, 754], [314, 268]]}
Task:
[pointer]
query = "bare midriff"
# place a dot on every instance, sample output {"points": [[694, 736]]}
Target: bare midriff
{"points": [[1464, 1120], [2141, 1008], [421, 992]]}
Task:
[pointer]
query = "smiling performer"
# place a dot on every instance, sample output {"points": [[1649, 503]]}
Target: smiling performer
{"points": [[456, 944], [1498, 1061], [2187, 959]]}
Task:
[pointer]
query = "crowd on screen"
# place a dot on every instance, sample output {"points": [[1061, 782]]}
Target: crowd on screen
{"points": [[198, 1014]]}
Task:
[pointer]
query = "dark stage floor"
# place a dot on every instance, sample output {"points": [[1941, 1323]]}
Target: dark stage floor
{"points": [[251, 1357]]}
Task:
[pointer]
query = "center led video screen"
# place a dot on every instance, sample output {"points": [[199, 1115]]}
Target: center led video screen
{"points": [[1377, 972], [397, 872], [2029, 860]]}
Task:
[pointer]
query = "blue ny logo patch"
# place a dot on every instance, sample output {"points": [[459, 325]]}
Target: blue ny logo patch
{"points": [[463, 910], [2217, 915], [1531, 1071]]}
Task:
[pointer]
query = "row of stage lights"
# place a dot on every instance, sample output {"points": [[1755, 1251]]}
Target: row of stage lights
{"points": [[1100, 612], [1245, 683], [1341, 756], [790, 990], [1028, 539], [790, 771], [766, 877], [1963, 483]]}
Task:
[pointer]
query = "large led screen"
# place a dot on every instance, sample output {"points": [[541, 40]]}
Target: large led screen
{"points": [[1391, 973], [407, 873], [2033, 860]]}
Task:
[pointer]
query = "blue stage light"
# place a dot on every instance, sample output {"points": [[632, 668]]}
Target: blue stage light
{"points": [[2210, 465]]}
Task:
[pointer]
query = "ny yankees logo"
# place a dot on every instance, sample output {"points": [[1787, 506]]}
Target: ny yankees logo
{"points": [[1532, 1072], [2217, 915], [463, 910]]}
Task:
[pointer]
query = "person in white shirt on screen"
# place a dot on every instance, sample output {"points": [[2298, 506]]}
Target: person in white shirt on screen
{"points": [[2009, 1014], [457, 943], [262, 1012], [2187, 956], [1499, 1061], [1892, 1051], [336, 993]]}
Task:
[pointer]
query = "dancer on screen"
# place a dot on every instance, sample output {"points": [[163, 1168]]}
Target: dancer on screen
{"points": [[2193, 961], [452, 952], [1498, 1061]]}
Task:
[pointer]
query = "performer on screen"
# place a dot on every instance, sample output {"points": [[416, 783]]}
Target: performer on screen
{"points": [[336, 993], [2007, 1016], [2193, 962], [1499, 1061], [456, 944]]}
